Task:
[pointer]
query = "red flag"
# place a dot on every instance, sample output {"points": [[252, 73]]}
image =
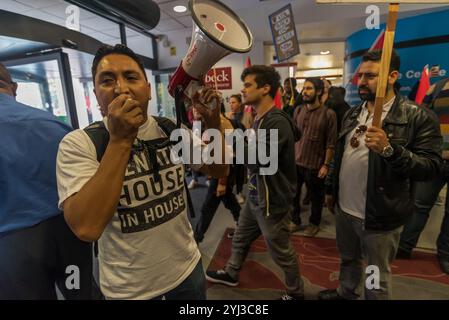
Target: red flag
{"points": [[377, 45], [424, 85], [248, 62], [278, 99]]}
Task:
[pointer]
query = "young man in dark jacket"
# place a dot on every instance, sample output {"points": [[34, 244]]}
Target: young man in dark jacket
{"points": [[372, 180], [269, 203]]}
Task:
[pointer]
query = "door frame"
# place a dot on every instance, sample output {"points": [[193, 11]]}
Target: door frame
{"points": [[62, 59]]}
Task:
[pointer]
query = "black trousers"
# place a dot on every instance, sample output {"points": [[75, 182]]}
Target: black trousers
{"points": [[35, 259], [211, 204], [315, 188], [239, 177]]}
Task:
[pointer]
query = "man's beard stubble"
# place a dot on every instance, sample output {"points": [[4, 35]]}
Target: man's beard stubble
{"points": [[368, 95]]}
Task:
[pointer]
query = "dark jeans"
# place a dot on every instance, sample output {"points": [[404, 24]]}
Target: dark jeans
{"points": [[315, 188], [34, 259], [425, 197], [210, 207], [192, 288], [355, 244]]}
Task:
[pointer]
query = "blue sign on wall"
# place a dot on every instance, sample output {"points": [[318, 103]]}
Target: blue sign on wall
{"points": [[422, 40]]}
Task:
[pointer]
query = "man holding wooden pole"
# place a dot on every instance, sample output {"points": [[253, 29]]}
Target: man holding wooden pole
{"points": [[386, 144]]}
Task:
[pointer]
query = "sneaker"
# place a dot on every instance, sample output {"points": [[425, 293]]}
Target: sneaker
{"points": [[192, 184], [329, 295], [311, 230], [240, 198], [287, 296], [221, 276]]}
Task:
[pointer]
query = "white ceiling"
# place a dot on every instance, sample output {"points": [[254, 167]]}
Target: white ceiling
{"points": [[314, 22]]}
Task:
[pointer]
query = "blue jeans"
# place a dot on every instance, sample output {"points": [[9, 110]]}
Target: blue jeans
{"points": [[425, 197], [192, 288]]}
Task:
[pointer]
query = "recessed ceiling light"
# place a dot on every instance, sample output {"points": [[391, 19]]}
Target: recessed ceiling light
{"points": [[325, 52], [180, 9]]}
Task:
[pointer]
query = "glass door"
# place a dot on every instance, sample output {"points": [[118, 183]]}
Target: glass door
{"points": [[45, 82]]}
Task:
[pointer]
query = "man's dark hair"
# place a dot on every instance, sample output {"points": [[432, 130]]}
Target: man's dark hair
{"points": [[337, 94], [340, 90], [106, 50], [376, 56], [292, 80], [318, 84], [237, 96], [264, 75]]}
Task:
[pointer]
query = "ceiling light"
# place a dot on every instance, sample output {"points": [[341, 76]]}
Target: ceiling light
{"points": [[180, 9], [325, 52]]}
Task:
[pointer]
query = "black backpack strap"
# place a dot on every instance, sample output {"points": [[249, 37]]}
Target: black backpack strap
{"points": [[99, 135], [168, 126], [296, 133]]}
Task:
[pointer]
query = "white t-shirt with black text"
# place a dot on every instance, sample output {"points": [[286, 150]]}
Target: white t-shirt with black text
{"points": [[148, 248]]}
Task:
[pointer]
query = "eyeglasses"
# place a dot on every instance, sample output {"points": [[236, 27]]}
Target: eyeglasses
{"points": [[368, 75], [357, 134]]}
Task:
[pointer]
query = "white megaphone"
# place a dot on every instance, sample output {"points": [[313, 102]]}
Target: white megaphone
{"points": [[217, 32]]}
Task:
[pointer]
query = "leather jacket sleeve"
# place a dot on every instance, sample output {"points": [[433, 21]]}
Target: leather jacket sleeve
{"points": [[421, 159]]}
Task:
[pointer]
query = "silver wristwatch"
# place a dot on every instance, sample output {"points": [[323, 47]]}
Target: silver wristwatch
{"points": [[387, 151]]}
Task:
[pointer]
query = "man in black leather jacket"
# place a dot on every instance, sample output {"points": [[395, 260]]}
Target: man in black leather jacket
{"points": [[371, 180]]}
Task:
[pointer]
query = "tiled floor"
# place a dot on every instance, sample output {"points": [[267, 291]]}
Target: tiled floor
{"points": [[223, 220]]}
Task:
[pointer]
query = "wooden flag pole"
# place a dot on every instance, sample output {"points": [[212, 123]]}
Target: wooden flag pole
{"points": [[382, 84]]}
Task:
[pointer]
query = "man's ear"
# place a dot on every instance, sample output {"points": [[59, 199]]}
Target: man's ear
{"points": [[393, 77], [266, 89], [149, 90]]}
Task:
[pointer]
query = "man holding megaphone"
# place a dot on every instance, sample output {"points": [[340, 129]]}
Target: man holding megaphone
{"points": [[118, 186]]}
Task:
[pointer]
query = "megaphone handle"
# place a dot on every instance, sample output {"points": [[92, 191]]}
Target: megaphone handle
{"points": [[181, 112]]}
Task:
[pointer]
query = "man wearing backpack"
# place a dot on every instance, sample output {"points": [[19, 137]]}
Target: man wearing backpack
{"points": [[269, 203], [437, 99], [133, 199]]}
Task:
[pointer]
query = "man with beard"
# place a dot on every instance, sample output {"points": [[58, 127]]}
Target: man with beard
{"points": [[372, 180], [268, 205], [314, 152]]}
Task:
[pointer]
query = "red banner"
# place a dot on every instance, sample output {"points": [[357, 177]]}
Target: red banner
{"points": [[219, 78]]}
